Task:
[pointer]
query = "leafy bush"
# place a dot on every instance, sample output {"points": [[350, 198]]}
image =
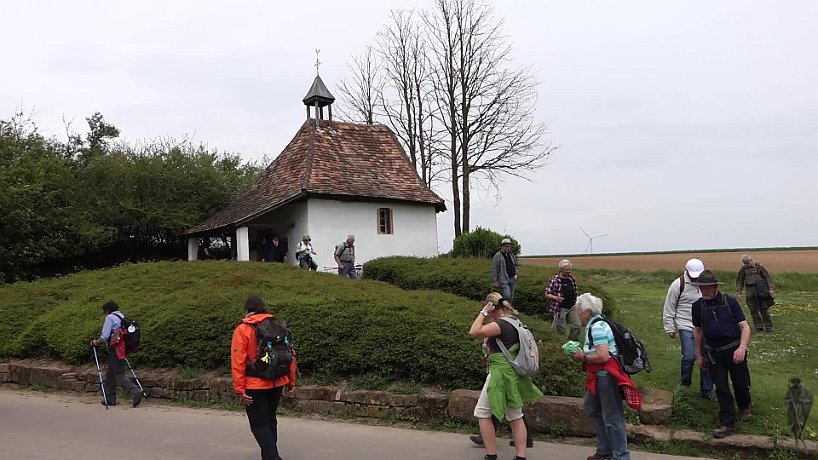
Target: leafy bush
{"points": [[188, 311], [471, 278], [481, 243]]}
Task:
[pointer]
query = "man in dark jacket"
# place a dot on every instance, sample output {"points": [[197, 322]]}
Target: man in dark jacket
{"points": [[755, 280], [504, 270], [722, 335]]}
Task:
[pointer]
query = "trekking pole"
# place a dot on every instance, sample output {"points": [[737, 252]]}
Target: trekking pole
{"points": [[135, 378], [99, 373]]}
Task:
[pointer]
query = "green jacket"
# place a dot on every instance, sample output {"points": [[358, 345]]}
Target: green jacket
{"points": [[506, 388]]}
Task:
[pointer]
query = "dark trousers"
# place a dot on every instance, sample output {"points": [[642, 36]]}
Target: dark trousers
{"points": [[263, 422], [721, 367], [759, 309], [116, 375]]}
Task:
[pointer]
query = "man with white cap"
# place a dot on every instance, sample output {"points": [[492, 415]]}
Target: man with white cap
{"points": [[677, 316]]}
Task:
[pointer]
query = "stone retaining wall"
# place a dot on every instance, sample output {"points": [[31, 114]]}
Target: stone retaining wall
{"points": [[551, 414]]}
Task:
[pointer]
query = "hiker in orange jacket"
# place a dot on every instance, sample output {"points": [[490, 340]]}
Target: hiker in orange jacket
{"points": [[260, 396]]}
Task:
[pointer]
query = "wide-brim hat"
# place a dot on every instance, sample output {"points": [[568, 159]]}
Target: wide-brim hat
{"points": [[505, 241], [706, 278]]}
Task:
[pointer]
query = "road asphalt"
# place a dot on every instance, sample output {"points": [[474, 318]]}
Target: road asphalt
{"points": [[36, 425]]}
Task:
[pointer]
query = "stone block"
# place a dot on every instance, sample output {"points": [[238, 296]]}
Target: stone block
{"points": [[221, 390], [433, 403], [657, 406], [189, 384], [358, 410], [338, 407], [744, 442], [461, 404], [46, 376], [807, 448], [305, 405], [160, 392], [355, 396], [19, 373], [566, 413], [641, 433], [322, 407], [316, 393], [688, 436], [396, 400]]}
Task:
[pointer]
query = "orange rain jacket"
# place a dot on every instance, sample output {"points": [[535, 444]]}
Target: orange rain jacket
{"points": [[243, 350]]}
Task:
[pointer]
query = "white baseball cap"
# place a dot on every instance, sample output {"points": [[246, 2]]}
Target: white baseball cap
{"points": [[694, 267]]}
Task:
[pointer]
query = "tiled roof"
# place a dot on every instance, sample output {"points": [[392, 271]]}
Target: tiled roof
{"points": [[349, 161]]}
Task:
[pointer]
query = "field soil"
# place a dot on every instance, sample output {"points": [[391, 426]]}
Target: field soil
{"points": [[774, 261]]}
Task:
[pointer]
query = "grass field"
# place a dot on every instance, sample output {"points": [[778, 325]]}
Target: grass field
{"points": [[801, 260], [773, 358]]}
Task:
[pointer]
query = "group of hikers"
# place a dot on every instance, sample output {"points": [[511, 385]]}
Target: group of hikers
{"points": [[275, 250], [711, 327]]}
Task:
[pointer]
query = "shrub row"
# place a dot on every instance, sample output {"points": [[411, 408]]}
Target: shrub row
{"points": [[188, 310], [471, 278]]}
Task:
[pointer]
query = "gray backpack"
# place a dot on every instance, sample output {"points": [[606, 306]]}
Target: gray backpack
{"points": [[527, 361]]}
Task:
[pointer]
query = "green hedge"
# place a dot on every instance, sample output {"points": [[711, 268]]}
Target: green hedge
{"points": [[471, 278], [188, 310]]}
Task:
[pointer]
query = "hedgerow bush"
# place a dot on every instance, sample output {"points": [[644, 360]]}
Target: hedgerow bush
{"points": [[188, 311], [471, 278]]}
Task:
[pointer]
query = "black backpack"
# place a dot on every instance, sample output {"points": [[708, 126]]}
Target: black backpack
{"points": [[631, 352], [275, 350], [131, 333]]}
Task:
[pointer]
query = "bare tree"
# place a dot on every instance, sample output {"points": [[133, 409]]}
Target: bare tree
{"points": [[408, 90], [488, 108], [450, 93], [362, 94]]}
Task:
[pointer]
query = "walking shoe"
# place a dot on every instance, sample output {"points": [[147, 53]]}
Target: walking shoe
{"points": [[137, 399], [746, 414], [478, 440], [109, 404], [723, 431], [529, 443], [708, 395], [598, 456]]}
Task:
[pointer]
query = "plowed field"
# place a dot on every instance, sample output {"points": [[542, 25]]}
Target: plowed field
{"points": [[775, 261]]}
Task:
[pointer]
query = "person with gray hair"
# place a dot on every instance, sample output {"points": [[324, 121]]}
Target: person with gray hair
{"points": [[755, 280], [603, 404], [562, 296], [345, 258]]}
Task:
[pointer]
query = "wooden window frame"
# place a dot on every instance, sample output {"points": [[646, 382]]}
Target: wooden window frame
{"points": [[389, 227]]}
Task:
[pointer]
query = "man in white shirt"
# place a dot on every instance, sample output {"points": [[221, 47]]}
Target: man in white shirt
{"points": [[677, 316]]}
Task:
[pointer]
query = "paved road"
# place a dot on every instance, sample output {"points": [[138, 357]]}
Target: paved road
{"points": [[47, 425]]}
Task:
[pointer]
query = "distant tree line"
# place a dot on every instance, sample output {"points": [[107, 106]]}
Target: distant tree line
{"points": [[93, 201]]}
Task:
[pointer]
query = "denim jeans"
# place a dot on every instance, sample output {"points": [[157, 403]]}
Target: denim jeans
{"points": [[348, 270], [263, 421], [507, 289], [689, 362], [607, 414]]}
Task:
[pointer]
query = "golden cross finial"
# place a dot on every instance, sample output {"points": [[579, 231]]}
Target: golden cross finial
{"points": [[317, 62]]}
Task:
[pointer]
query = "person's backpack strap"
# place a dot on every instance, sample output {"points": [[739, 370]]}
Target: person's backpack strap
{"points": [[681, 289], [590, 336], [500, 343]]}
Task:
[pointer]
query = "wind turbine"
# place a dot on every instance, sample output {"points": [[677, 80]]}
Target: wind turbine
{"points": [[589, 249]]}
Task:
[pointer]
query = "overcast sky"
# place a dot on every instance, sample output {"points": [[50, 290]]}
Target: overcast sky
{"points": [[680, 125]]}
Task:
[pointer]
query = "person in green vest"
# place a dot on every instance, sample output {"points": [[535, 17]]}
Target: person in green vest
{"points": [[504, 392]]}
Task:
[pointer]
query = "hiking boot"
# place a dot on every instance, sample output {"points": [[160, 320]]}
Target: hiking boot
{"points": [[598, 456], [137, 399], [529, 443], [746, 414], [109, 404], [770, 330], [723, 431], [708, 395], [477, 440]]}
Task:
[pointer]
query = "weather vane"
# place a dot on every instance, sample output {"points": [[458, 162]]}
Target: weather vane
{"points": [[317, 62]]}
